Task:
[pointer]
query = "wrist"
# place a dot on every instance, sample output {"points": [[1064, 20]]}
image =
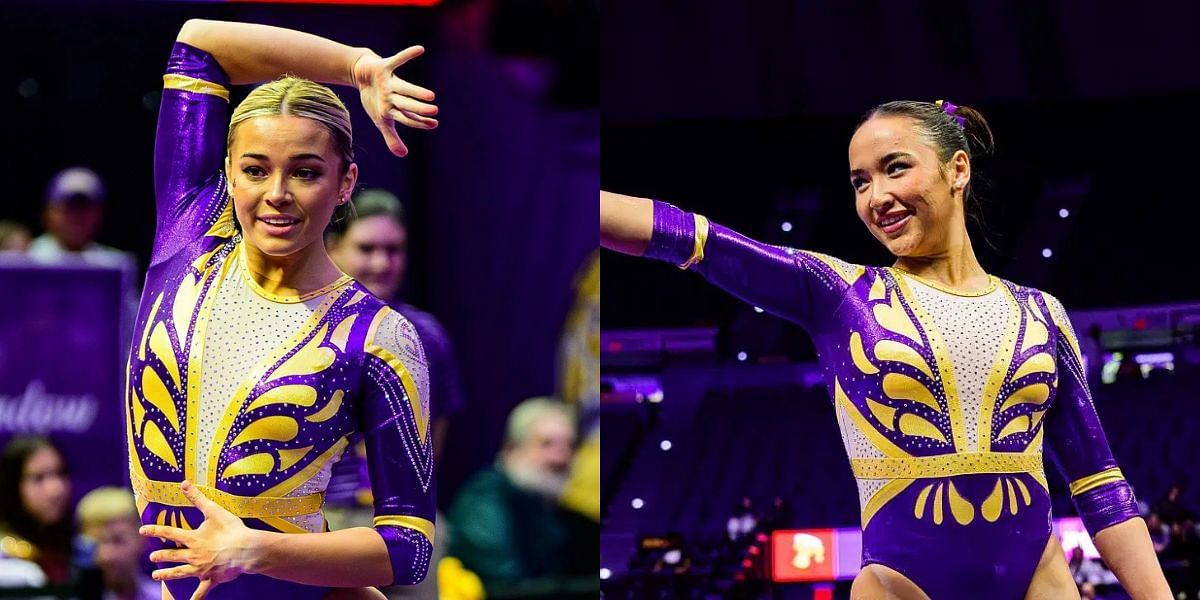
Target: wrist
{"points": [[359, 77], [257, 550]]}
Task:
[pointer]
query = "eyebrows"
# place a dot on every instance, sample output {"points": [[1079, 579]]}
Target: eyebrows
{"points": [[887, 158], [294, 157]]}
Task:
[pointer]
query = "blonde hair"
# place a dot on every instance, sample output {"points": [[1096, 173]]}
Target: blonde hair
{"points": [[295, 96], [104, 505]]}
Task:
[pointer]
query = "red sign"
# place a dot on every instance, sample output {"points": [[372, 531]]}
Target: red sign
{"points": [[808, 555]]}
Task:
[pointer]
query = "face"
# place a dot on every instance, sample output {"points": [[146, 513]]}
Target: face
{"points": [[375, 252], [45, 487], [908, 199], [118, 548], [73, 223], [285, 177], [548, 447]]}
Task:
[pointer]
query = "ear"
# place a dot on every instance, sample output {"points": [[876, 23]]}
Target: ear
{"points": [[960, 170], [349, 180]]}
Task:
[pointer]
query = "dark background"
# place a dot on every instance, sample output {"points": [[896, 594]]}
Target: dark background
{"points": [[500, 198], [743, 112]]}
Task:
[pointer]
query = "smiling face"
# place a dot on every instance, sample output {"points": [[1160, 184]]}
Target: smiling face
{"points": [[909, 199], [286, 178]]}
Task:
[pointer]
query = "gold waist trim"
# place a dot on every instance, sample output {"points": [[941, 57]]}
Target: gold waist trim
{"points": [[945, 465], [246, 507]]}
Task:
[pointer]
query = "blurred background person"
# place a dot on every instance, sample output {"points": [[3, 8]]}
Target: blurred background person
{"points": [[35, 496], [73, 214], [508, 525], [108, 518], [14, 237]]}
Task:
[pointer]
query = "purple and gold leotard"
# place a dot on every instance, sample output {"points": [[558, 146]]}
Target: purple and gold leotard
{"points": [[252, 395], [944, 400]]}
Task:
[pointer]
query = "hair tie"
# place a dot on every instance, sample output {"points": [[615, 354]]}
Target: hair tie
{"points": [[952, 110]]}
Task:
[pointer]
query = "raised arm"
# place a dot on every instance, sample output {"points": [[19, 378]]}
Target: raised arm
{"points": [[1102, 497], [250, 53], [794, 284]]}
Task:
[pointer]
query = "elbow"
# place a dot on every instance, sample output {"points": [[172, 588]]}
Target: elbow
{"points": [[192, 32]]}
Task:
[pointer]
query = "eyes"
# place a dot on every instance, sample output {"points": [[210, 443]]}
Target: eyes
{"points": [[255, 172], [893, 169]]}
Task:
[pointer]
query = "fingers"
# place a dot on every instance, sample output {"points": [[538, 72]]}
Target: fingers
{"points": [[397, 60], [174, 534], [413, 120], [202, 590], [412, 105], [206, 506], [405, 88], [177, 555], [175, 573], [394, 143]]}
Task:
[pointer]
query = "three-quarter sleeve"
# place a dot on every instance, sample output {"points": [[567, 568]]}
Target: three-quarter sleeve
{"points": [[189, 149], [395, 422], [1076, 440], [803, 287]]}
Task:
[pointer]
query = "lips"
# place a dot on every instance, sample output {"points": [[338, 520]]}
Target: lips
{"points": [[278, 224], [891, 223]]}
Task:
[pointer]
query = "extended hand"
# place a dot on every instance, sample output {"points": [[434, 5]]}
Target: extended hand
{"points": [[218, 551], [389, 100]]}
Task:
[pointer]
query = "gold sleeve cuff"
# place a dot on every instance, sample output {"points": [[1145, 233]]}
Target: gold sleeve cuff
{"points": [[699, 239], [174, 81], [1091, 482], [423, 526]]}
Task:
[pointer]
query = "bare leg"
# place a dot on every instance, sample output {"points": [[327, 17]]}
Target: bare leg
{"points": [[1052, 578]]}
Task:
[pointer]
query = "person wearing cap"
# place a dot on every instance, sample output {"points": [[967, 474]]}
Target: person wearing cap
{"points": [[72, 216]]}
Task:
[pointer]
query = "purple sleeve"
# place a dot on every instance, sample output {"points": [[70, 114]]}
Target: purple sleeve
{"points": [[400, 462], [1077, 442], [189, 148], [799, 286]]}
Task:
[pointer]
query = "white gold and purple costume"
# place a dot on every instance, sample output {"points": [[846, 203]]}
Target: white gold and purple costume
{"points": [[944, 401]]}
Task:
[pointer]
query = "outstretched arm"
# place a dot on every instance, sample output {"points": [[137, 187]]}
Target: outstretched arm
{"points": [[793, 284], [250, 53]]}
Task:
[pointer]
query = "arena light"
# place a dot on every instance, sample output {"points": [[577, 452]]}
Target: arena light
{"points": [[1047, 253], [1064, 213], [665, 445], [758, 310], [605, 574], [637, 503], [786, 226], [742, 356]]}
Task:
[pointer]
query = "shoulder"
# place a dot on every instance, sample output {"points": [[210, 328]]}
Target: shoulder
{"points": [[847, 271]]}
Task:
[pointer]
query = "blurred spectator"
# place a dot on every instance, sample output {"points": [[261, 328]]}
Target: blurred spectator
{"points": [[109, 517], [35, 493], [1088, 571], [742, 523], [508, 525], [1160, 534], [1171, 508], [1181, 559], [14, 237], [73, 213], [579, 386]]}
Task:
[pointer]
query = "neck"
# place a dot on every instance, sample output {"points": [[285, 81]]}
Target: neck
{"points": [[955, 267], [296, 274]]}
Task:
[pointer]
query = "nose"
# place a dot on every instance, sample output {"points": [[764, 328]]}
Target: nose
{"points": [[277, 194], [881, 198]]}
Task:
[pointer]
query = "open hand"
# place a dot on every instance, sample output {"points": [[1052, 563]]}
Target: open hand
{"points": [[389, 100], [216, 552]]}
